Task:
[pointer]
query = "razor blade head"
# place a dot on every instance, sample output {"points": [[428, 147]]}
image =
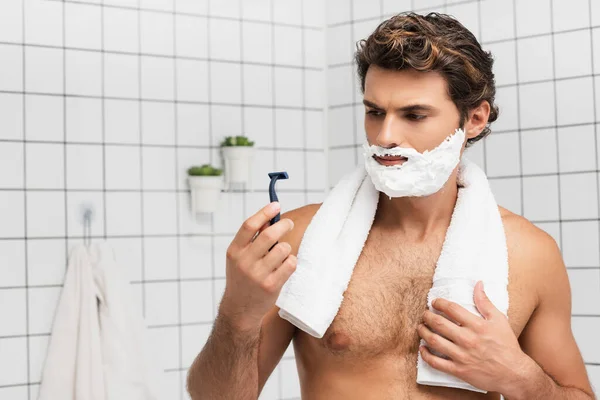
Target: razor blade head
{"points": [[278, 175]]}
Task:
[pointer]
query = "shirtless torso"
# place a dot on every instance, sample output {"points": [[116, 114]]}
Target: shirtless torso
{"points": [[370, 349]]}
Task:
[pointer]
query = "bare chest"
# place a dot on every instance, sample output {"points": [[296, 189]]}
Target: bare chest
{"points": [[385, 300]]}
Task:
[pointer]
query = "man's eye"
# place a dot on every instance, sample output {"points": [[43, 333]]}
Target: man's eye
{"points": [[416, 117], [374, 113]]}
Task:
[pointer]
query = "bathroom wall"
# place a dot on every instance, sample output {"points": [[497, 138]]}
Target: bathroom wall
{"points": [[108, 103], [543, 154]]}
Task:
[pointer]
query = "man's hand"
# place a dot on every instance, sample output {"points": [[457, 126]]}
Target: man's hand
{"points": [[483, 351], [257, 268]]}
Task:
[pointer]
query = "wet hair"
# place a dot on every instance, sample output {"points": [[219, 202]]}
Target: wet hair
{"points": [[434, 42]]}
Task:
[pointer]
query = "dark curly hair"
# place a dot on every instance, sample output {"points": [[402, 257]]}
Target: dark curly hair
{"points": [[434, 42]]}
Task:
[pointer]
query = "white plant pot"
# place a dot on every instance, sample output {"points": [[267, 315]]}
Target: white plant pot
{"points": [[206, 191], [238, 163]]}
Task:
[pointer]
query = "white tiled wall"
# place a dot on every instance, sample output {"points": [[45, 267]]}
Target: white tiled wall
{"points": [[108, 102], [543, 154]]}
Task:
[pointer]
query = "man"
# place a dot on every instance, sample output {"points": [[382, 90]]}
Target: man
{"points": [[422, 77]]}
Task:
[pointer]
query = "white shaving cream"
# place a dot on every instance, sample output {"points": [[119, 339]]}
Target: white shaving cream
{"points": [[422, 174]]}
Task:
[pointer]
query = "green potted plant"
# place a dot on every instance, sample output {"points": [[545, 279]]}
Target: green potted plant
{"points": [[205, 183], [237, 154]]}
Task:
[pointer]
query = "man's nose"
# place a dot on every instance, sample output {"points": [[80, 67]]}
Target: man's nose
{"points": [[389, 135]]}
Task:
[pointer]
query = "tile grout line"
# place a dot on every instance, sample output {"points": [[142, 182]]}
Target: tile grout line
{"points": [[595, 102], [388, 15], [273, 81], [149, 145], [243, 108], [141, 163], [283, 190], [153, 55], [25, 221], [303, 80], [181, 384], [483, 141], [325, 108], [103, 121], [222, 234], [212, 235], [65, 131], [177, 13], [519, 134], [353, 86], [159, 100], [556, 136], [243, 105]]}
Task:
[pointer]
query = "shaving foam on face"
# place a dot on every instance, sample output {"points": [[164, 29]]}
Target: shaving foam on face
{"points": [[421, 175]]}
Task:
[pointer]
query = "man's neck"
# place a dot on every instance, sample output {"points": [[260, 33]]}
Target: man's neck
{"points": [[417, 217]]}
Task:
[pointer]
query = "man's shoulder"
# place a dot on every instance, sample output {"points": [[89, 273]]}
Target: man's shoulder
{"points": [[532, 252], [301, 217], [301, 214], [525, 238]]}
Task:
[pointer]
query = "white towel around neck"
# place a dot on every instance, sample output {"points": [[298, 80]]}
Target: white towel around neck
{"points": [[474, 249]]}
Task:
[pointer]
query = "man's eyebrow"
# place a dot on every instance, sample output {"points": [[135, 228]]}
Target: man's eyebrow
{"points": [[407, 108]]}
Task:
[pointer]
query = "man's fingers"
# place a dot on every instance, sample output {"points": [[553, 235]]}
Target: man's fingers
{"points": [[483, 303], [456, 312], [274, 258], [441, 364], [438, 342], [283, 272], [442, 325], [252, 225], [263, 242], [262, 228]]}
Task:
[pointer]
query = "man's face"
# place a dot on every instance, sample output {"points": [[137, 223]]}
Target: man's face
{"points": [[407, 108]]}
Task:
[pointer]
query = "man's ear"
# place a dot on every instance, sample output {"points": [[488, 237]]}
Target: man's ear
{"points": [[477, 119]]}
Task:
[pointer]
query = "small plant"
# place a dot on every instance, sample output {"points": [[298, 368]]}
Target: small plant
{"points": [[206, 183], [204, 170], [236, 141]]}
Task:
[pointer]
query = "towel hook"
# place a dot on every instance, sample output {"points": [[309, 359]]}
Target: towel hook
{"points": [[87, 215]]}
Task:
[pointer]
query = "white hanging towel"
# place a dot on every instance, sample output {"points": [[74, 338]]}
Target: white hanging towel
{"points": [[97, 346], [474, 249]]}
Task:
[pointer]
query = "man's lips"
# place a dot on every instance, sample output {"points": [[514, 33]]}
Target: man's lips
{"points": [[390, 160]]}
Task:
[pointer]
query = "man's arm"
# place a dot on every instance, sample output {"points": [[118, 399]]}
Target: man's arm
{"points": [[226, 366], [276, 335], [556, 370], [236, 361]]}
